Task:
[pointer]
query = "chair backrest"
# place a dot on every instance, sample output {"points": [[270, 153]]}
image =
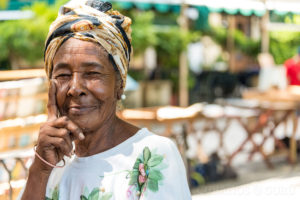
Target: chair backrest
{"points": [[14, 138], [23, 99], [270, 75], [266, 60]]}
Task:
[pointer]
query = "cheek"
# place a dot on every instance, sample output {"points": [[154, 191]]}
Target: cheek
{"points": [[61, 94], [101, 91]]}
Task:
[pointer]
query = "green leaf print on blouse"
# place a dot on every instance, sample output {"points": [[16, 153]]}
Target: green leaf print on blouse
{"points": [[96, 194], [146, 172], [55, 194]]}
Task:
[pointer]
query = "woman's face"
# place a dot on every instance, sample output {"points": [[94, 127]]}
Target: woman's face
{"points": [[86, 84]]}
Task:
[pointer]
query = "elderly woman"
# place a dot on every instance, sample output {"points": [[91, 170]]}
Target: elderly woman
{"points": [[84, 151]]}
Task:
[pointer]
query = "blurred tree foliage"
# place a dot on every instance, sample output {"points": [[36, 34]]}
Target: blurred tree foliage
{"points": [[159, 30], [292, 19], [3, 4], [283, 45], [24, 39], [242, 43], [171, 42], [143, 34]]}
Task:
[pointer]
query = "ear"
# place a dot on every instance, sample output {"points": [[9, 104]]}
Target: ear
{"points": [[120, 92]]}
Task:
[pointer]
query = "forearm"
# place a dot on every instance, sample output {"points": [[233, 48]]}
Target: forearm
{"points": [[36, 184]]}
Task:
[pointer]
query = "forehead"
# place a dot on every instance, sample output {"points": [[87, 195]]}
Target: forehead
{"points": [[76, 46], [79, 51]]}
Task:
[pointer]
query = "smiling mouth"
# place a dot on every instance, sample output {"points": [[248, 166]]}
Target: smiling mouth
{"points": [[80, 110]]}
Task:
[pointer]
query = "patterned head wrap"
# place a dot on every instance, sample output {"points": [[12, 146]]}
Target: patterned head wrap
{"points": [[94, 21]]}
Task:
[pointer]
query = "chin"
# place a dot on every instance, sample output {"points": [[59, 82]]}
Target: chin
{"points": [[86, 123], [80, 120]]}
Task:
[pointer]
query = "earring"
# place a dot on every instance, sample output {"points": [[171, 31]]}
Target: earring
{"points": [[123, 96]]}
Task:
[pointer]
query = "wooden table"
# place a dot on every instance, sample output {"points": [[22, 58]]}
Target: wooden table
{"points": [[274, 101], [165, 117]]}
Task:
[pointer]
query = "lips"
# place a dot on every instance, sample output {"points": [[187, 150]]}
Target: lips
{"points": [[80, 109]]}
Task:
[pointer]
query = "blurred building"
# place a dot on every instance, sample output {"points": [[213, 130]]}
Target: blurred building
{"points": [[246, 25], [11, 9]]}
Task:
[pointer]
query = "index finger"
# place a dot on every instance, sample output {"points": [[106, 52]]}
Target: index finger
{"points": [[52, 106], [65, 122]]}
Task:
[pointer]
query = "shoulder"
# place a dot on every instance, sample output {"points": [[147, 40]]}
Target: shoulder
{"points": [[154, 141], [158, 147]]}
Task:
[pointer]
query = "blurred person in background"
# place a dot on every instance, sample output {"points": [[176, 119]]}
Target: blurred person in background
{"points": [[292, 66], [84, 151]]}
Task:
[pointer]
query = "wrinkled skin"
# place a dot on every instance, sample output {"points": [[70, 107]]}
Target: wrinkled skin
{"points": [[87, 89], [84, 90], [83, 93]]}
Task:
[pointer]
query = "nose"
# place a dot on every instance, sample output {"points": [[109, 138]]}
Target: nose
{"points": [[76, 87]]}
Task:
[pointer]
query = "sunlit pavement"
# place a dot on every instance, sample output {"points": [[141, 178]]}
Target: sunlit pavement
{"points": [[274, 188], [255, 181]]}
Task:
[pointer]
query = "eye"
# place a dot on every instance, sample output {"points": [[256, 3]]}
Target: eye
{"points": [[93, 73], [62, 76]]}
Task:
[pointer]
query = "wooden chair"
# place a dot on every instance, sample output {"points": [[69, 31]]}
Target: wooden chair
{"points": [[22, 110], [270, 114]]}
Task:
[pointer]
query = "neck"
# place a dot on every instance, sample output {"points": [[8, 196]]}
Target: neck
{"points": [[100, 140]]}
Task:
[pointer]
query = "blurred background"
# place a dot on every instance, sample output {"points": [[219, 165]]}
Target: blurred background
{"points": [[220, 78]]}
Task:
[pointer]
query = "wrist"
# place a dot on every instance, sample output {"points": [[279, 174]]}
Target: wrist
{"points": [[37, 180], [40, 167]]}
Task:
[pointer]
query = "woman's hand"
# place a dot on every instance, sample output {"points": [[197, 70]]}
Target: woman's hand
{"points": [[56, 135]]}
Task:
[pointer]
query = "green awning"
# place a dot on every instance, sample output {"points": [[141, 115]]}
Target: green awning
{"points": [[175, 8], [125, 5], [279, 12], [281, 8], [231, 11], [213, 9], [143, 6], [245, 12], [259, 13], [202, 21], [163, 8], [245, 7], [19, 4]]}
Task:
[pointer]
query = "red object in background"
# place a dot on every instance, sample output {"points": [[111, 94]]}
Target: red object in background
{"points": [[293, 71]]}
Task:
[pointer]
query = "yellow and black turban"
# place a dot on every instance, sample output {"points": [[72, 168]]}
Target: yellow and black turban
{"points": [[95, 21]]}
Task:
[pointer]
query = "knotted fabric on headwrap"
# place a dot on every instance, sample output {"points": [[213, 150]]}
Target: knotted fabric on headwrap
{"points": [[95, 21]]}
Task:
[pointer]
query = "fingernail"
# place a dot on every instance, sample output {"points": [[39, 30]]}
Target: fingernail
{"points": [[81, 136]]}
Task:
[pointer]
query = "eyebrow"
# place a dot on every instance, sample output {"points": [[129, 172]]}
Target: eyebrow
{"points": [[61, 65], [91, 64], [85, 64]]}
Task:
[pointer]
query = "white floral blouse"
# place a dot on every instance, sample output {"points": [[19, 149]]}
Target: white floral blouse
{"points": [[145, 166]]}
